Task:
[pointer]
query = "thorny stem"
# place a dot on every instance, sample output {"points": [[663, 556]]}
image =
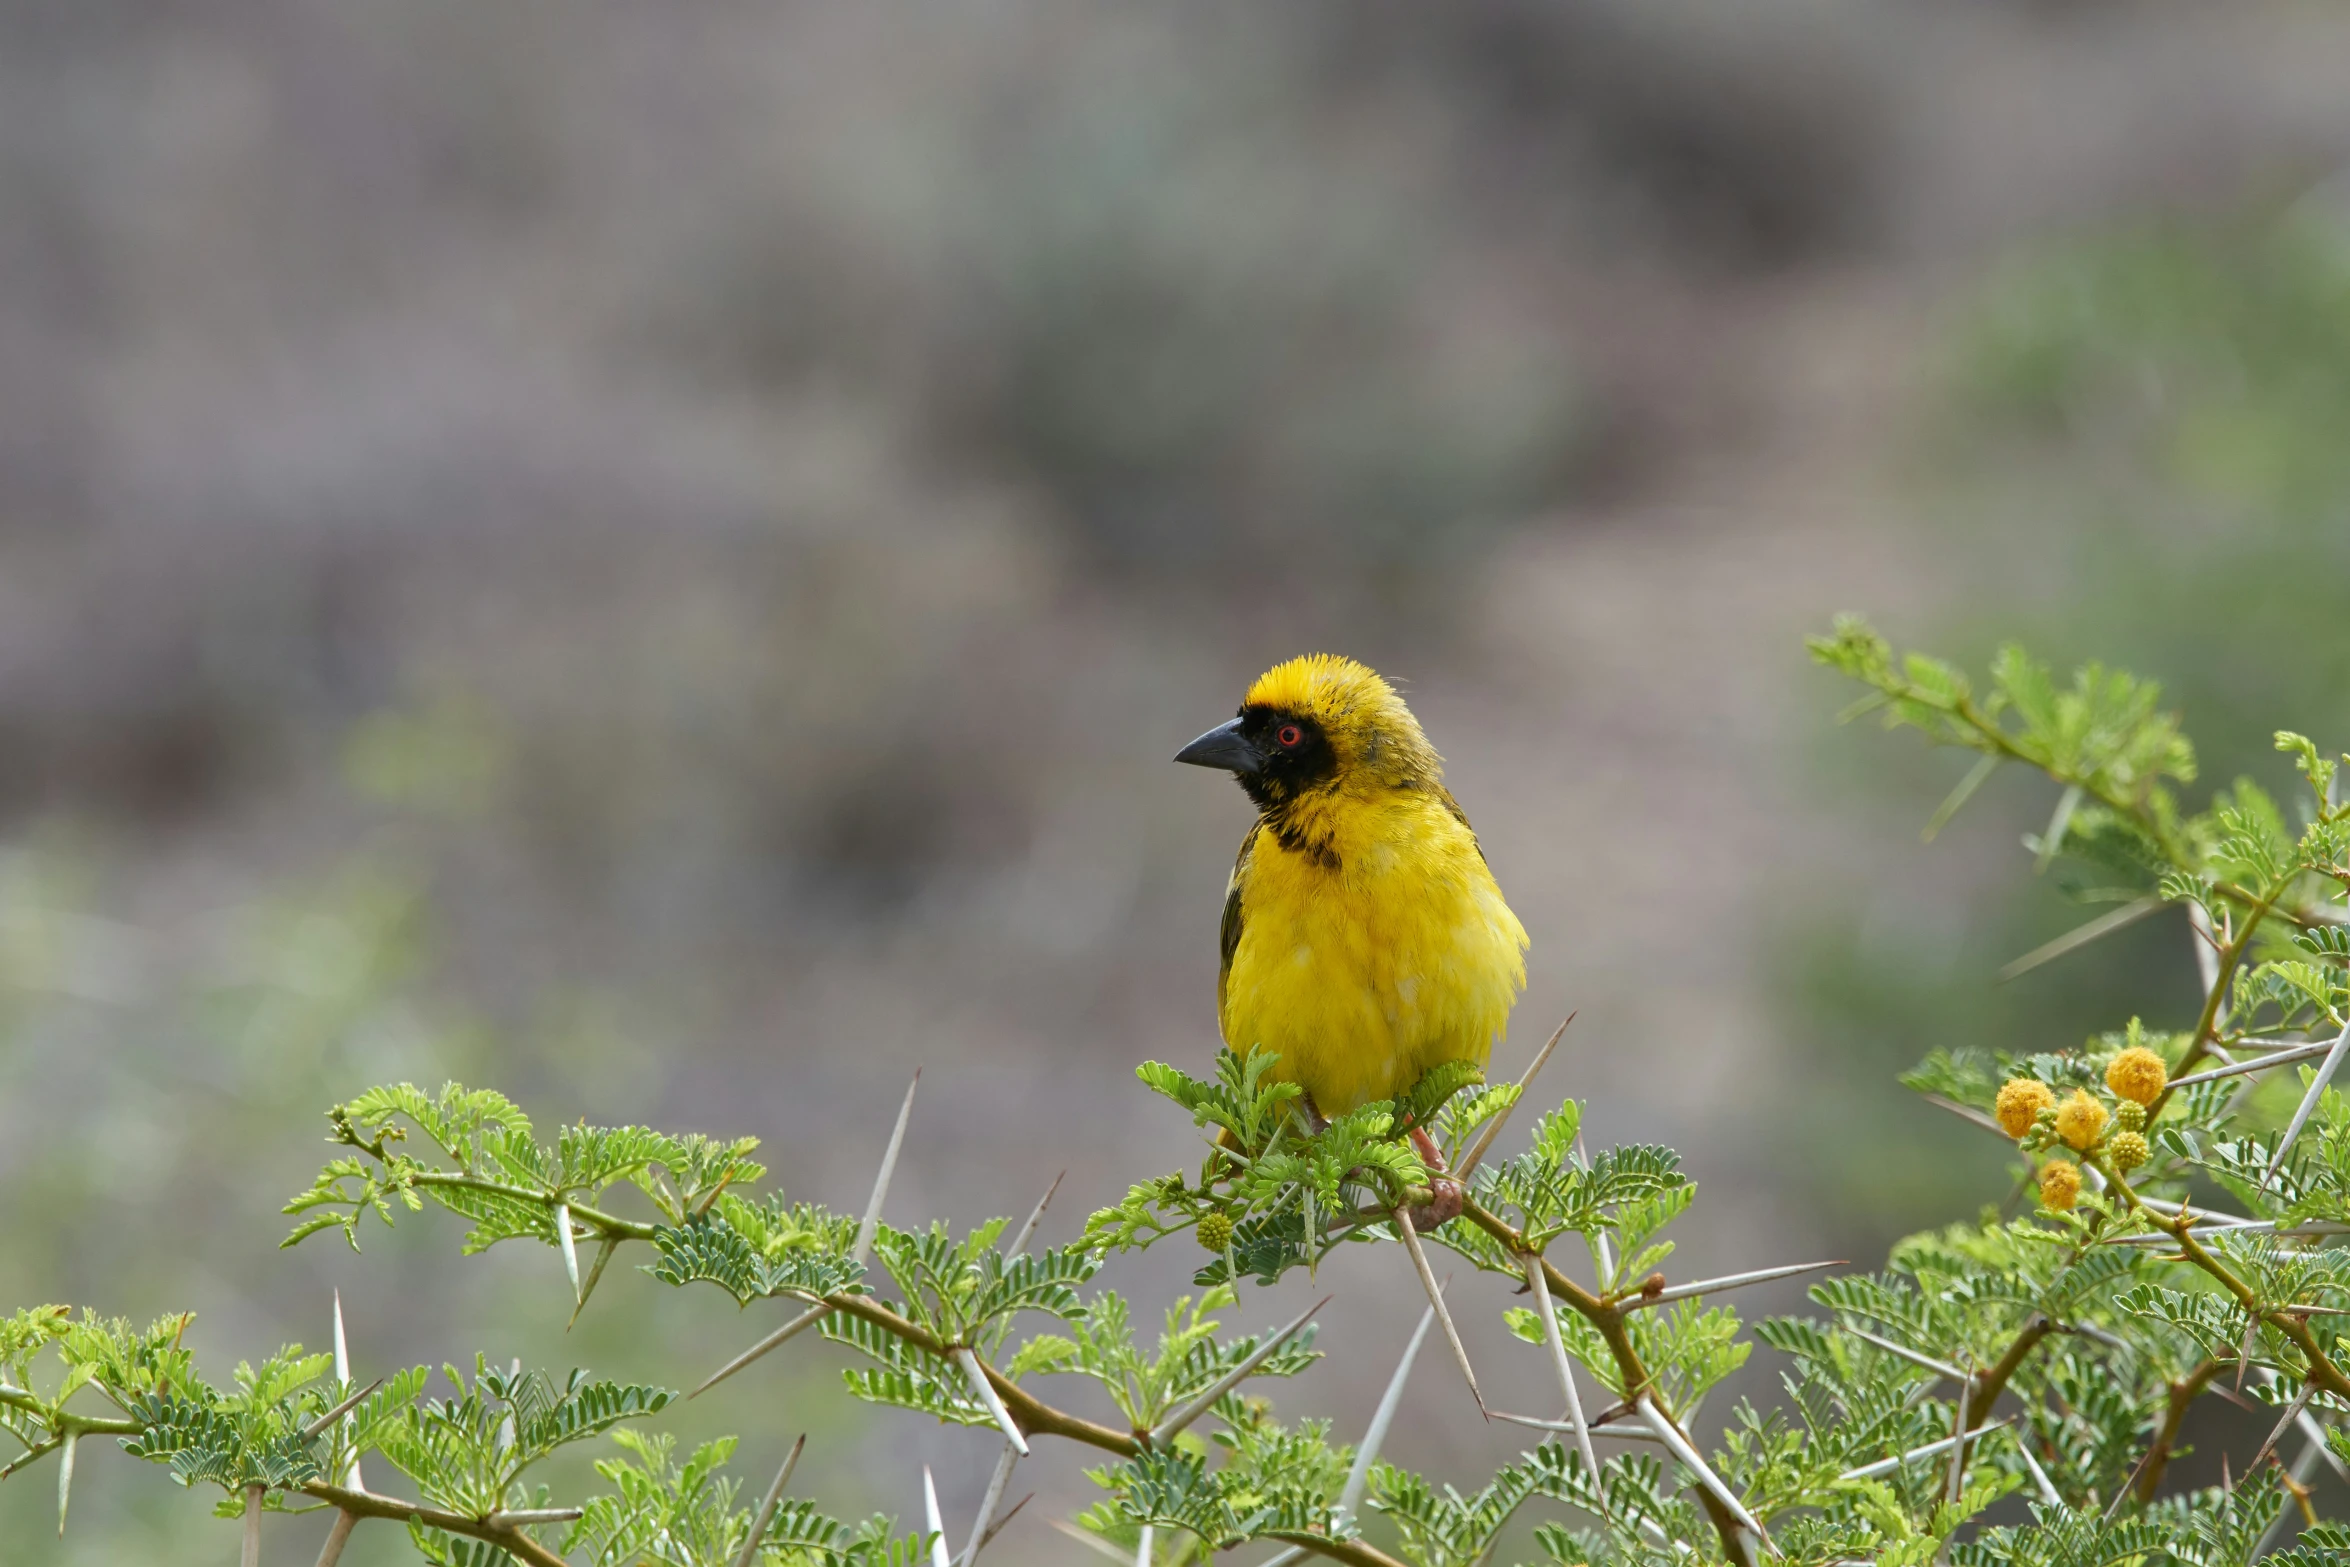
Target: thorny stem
{"points": [[2321, 1371], [2231, 956], [507, 1537], [1605, 1315], [1984, 1387]]}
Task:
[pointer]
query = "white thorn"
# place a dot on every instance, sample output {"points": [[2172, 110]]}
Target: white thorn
{"points": [[987, 1395], [65, 1478], [2317, 1088], [1697, 1466], [570, 1248], [2023, 1450], [1165, 1430], [351, 1479], [1728, 1282], [937, 1525], [1142, 1547], [1941, 1367], [251, 1555], [2285, 1057], [1359, 1475], [1559, 1362], [1940, 1445], [980, 1530]]}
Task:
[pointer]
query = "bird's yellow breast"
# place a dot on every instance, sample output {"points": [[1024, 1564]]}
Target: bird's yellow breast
{"points": [[1370, 950]]}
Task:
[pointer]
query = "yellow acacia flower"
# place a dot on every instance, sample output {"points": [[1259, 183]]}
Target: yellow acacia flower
{"points": [[2021, 1099], [2137, 1074], [2080, 1120], [2060, 1184]]}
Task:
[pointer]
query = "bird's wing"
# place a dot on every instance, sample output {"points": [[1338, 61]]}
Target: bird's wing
{"points": [[1461, 816], [1228, 930]]}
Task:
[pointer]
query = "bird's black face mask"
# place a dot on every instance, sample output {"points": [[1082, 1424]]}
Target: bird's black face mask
{"points": [[1276, 756]]}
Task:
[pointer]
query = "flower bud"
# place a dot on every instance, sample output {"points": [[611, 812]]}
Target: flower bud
{"points": [[2021, 1099], [2080, 1120], [2130, 1116], [2137, 1074], [2060, 1184], [2128, 1150], [1215, 1231]]}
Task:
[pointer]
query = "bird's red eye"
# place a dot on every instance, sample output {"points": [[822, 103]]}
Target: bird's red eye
{"points": [[1289, 735]]}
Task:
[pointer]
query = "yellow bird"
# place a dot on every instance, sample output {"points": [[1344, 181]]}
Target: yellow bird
{"points": [[1364, 939]]}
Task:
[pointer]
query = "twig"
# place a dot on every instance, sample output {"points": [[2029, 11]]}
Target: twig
{"points": [[604, 1251], [1494, 1126], [336, 1538], [987, 1395], [1729, 1282], [1621, 1430], [1411, 1243], [1535, 1283], [340, 1410], [1164, 1432], [1958, 1443], [774, 1499], [1102, 1547]]}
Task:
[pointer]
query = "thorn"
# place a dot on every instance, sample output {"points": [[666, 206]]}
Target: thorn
{"points": [[2317, 1088], [340, 1410], [1164, 1432], [997, 1527], [351, 1477], [1142, 1547], [65, 1478], [937, 1525], [2082, 935], [1411, 1242], [1095, 1543], [791, 1461], [604, 1253], [987, 1395], [1494, 1126], [982, 1530], [1646, 1404], [889, 1163], [1020, 1241], [1939, 1367], [861, 1252], [1539, 1286], [771, 1341], [1359, 1476], [570, 1253], [1928, 1450], [1730, 1282]]}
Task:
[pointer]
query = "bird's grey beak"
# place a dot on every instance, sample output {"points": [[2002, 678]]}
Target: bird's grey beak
{"points": [[1222, 746]]}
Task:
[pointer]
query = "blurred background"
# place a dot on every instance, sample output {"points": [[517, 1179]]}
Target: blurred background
{"points": [[654, 558]]}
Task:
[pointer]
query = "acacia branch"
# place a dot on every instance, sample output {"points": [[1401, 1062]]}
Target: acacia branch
{"points": [[1608, 1318], [508, 1537], [2182, 1393]]}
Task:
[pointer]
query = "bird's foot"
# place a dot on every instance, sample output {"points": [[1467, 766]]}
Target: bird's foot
{"points": [[1445, 1194]]}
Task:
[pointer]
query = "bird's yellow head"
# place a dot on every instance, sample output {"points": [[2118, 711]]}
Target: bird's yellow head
{"points": [[1316, 725]]}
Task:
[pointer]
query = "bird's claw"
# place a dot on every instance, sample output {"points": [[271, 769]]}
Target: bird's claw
{"points": [[1445, 1196]]}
